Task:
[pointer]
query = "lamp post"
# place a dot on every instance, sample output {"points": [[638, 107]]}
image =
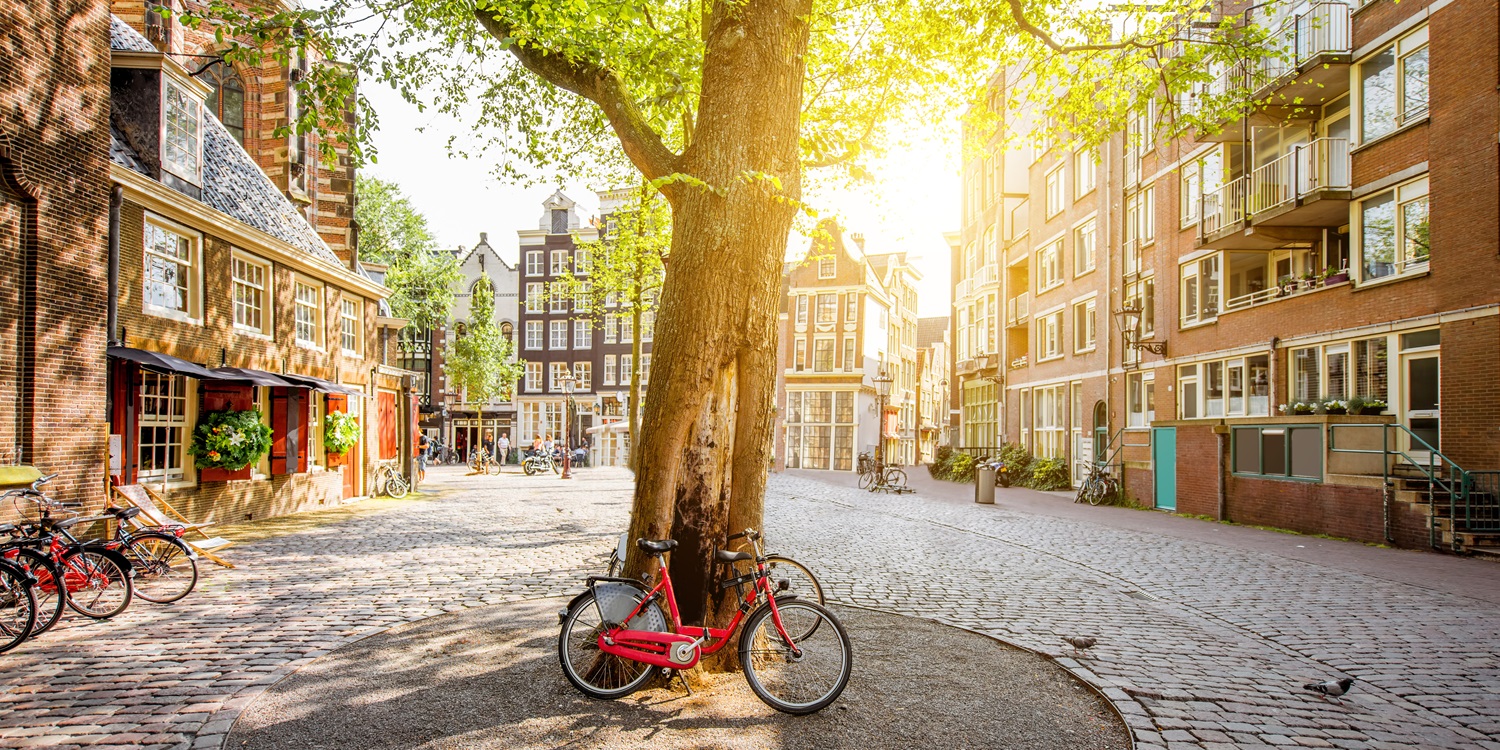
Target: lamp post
{"points": [[1128, 318], [883, 390], [568, 383]]}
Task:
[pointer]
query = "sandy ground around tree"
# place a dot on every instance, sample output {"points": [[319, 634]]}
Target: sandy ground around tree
{"points": [[489, 678]]}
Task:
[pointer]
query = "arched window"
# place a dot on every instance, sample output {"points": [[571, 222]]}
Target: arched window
{"points": [[460, 330], [227, 101], [508, 330]]}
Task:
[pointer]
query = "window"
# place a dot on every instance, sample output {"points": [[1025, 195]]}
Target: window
{"points": [[611, 328], [351, 326], [558, 330], [851, 308], [1239, 387], [848, 354], [1283, 452], [827, 266], [1085, 239], [627, 330], [533, 334], [1393, 231], [828, 309], [534, 263], [1199, 177], [1393, 86], [609, 369], [536, 295], [1140, 399], [555, 373], [1056, 196], [1200, 291], [645, 368], [1085, 169], [1083, 326], [582, 302], [309, 313], [252, 291], [583, 374], [583, 264], [799, 354], [533, 377], [182, 133], [820, 430], [559, 262], [1049, 336], [171, 260], [583, 334], [612, 299], [1341, 370], [227, 100], [1049, 270], [163, 421], [626, 371], [1147, 226], [1048, 425], [648, 325], [1306, 374], [823, 355]]}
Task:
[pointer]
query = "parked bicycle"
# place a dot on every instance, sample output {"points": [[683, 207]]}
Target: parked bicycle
{"points": [[1098, 484], [390, 482], [482, 462], [615, 632], [165, 568], [96, 580], [788, 574], [18, 607]]}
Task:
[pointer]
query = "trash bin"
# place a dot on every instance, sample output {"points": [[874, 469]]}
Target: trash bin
{"points": [[984, 484]]}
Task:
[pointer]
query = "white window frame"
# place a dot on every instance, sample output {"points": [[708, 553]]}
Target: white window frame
{"points": [[1085, 329], [1051, 277], [1085, 246], [1139, 414], [611, 328], [181, 390], [557, 335], [583, 377], [193, 290], [609, 369], [1056, 190], [559, 264], [533, 377], [1405, 194], [648, 326], [351, 325], [583, 262], [583, 334], [1049, 331], [555, 371], [1404, 48], [536, 296], [314, 308], [184, 162], [832, 354], [828, 266], [1194, 270], [534, 265], [263, 292], [536, 333], [1085, 172]]}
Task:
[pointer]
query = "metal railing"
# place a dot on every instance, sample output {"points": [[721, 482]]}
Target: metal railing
{"points": [[1323, 165], [1320, 30], [1017, 309], [1223, 208], [1473, 496], [1271, 184]]}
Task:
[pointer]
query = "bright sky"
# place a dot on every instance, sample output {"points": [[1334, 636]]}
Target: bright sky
{"points": [[914, 199]]}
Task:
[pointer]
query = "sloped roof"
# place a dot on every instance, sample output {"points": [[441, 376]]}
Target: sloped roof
{"points": [[931, 330], [232, 182], [123, 38]]}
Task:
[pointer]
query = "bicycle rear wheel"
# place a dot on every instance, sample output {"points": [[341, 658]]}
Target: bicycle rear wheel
{"points": [[865, 478], [396, 486], [800, 680], [595, 673], [164, 570], [894, 477], [800, 581], [50, 599], [98, 586], [17, 607]]}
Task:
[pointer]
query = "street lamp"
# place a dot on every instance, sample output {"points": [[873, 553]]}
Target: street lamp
{"points": [[883, 390], [1128, 318], [568, 383]]}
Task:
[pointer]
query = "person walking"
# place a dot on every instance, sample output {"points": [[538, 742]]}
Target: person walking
{"points": [[503, 447], [424, 446]]}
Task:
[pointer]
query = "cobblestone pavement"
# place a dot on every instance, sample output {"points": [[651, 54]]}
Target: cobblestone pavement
{"points": [[1201, 645]]}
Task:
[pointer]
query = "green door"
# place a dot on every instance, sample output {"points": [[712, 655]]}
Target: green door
{"points": [[1164, 464]]}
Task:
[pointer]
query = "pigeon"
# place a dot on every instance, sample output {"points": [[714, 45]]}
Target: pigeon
{"points": [[1080, 642], [1330, 688]]}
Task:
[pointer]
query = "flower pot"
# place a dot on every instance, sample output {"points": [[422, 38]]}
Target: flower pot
{"points": [[1337, 278]]}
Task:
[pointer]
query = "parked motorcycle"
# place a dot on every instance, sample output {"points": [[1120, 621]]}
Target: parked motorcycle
{"points": [[1002, 473], [536, 462]]}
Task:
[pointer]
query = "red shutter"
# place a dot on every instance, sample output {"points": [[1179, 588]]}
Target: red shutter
{"points": [[288, 430], [218, 396], [389, 430], [337, 402]]}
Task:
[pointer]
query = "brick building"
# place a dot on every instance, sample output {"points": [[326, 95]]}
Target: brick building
{"points": [[838, 334], [931, 394], [1343, 248]]}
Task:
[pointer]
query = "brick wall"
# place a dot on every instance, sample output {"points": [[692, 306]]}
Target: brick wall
{"points": [[1315, 508], [1471, 413], [54, 105]]}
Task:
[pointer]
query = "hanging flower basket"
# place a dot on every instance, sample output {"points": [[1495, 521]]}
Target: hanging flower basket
{"points": [[230, 440], [340, 432]]}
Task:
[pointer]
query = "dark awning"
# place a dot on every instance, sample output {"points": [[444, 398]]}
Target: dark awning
{"points": [[256, 377], [319, 384], [164, 363]]}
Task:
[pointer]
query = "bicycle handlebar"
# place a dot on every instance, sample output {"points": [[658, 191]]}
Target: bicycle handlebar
{"points": [[750, 534]]}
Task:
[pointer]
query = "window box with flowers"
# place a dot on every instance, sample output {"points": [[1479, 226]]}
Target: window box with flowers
{"points": [[227, 443], [341, 433]]}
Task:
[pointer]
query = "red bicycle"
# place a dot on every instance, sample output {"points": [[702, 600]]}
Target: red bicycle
{"points": [[615, 633]]}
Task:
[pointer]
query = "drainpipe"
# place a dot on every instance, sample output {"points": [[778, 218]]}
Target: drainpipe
{"points": [[1222, 442], [112, 318]]}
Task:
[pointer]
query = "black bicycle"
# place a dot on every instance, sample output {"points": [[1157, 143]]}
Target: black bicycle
{"points": [[1098, 485]]}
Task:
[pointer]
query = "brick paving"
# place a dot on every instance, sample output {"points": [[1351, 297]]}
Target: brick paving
{"points": [[1203, 643]]}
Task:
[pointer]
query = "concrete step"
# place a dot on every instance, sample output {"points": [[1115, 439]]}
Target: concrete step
{"points": [[1490, 553]]}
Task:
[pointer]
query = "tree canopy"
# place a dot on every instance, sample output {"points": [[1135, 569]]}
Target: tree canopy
{"points": [[393, 232], [481, 361]]}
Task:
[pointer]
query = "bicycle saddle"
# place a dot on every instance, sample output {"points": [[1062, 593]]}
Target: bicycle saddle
{"points": [[725, 556], [6, 528], [124, 514], [656, 545]]}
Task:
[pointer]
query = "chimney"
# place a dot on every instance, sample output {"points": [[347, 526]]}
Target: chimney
{"points": [[484, 238], [859, 239]]}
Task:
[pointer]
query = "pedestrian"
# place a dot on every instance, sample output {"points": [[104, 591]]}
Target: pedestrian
{"points": [[503, 446], [489, 442], [424, 445], [548, 445]]}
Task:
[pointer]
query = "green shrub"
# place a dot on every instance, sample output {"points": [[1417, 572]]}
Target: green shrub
{"points": [[962, 468], [1017, 461], [1050, 474]]}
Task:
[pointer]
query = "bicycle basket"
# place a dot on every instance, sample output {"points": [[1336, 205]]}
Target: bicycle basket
{"points": [[617, 600]]}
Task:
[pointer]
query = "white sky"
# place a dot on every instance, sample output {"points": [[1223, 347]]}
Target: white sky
{"points": [[914, 199]]}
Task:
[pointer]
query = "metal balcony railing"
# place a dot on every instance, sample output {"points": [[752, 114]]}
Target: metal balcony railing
{"points": [[1223, 208], [1017, 309], [1320, 165]]}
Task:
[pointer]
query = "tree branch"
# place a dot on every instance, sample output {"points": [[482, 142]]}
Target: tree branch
{"points": [[1018, 14], [643, 145]]}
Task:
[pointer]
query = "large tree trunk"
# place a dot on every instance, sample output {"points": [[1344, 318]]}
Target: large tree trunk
{"points": [[706, 435]]}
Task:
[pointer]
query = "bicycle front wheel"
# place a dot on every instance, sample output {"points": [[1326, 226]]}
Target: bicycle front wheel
{"points": [[98, 586], [865, 478], [397, 486], [50, 598], [796, 677], [895, 477], [164, 570], [595, 673], [17, 607], [799, 581]]}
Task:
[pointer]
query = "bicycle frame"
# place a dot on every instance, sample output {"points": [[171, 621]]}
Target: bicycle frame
{"points": [[660, 649]]}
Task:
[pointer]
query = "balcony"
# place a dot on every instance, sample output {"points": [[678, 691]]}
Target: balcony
{"points": [[982, 278], [1019, 362], [1017, 310], [1308, 187]]}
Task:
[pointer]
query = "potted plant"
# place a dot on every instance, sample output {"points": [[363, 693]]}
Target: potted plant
{"points": [[1335, 406], [226, 443], [1333, 276], [1366, 405], [340, 432], [1308, 280], [1299, 407], [1286, 285]]}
